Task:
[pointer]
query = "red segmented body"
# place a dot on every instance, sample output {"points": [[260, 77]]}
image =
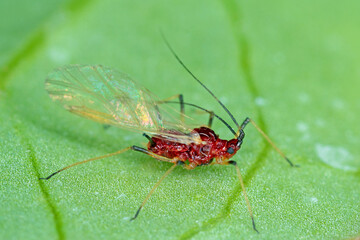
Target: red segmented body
{"points": [[197, 154]]}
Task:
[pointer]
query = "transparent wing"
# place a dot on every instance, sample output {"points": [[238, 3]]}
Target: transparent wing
{"points": [[111, 97]]}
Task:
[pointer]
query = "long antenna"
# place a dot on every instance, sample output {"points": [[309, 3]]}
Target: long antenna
{"points": [[188, 70], [215, 115]]}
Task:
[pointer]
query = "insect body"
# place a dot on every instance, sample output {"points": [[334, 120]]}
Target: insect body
{"points": [[107, 96], [197, 154]]}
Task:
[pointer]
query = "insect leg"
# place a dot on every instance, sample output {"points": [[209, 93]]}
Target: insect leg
{"points": [[151, 154], [244, 191], [182, 104], [181, 101], [208, 111], [85, 161], [135, 148], [249, 120], [211, 118], [211, 114], [106, 126], [154, 188], [150, 139]]}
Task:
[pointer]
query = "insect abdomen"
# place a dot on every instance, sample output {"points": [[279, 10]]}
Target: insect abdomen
{"points": [[169, 149], [199, 154]]}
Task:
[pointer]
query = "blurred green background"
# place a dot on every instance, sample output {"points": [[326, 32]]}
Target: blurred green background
{"points": [[292, 66]]}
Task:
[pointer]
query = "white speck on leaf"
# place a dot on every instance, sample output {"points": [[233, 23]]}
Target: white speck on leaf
{"points": [[320, 122], [304, 97], [302, 127], [129, 137], [122, 195], [59, 56], [260, 101], [338, 104], [337, 157], [224, 100], [314, 200]]}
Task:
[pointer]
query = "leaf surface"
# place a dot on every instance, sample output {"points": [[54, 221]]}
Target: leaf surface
{"points": [[291, 66]]}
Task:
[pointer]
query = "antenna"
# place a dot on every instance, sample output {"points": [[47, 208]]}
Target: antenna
{"points": [[194, 77], [215, 115]]}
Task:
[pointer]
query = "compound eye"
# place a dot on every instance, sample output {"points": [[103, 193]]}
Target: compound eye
{"points": [[230, 150]]}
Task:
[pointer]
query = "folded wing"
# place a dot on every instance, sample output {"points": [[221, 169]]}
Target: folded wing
{"points": [[111, 97]]}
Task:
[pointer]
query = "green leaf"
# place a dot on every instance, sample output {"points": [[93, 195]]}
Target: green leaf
{"points": [[291, 66]]}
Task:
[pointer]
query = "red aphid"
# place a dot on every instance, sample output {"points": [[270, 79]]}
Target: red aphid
{"points": [[111, 97], [197, 154]]}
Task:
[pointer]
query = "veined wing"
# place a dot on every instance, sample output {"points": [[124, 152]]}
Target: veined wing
{"points": [[111, 97]]}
